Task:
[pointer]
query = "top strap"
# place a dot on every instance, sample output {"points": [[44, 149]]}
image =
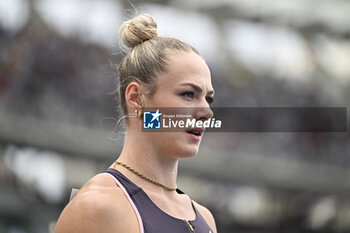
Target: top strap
{"points": [[131, 187]]}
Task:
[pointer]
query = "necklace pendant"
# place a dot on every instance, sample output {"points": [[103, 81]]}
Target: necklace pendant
{"points": [[189, 224]]}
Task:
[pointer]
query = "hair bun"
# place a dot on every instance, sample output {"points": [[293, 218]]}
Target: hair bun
{"points": [[137, 30]]}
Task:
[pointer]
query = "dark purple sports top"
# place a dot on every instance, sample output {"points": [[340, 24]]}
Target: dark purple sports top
{"points": [[155, 220]]}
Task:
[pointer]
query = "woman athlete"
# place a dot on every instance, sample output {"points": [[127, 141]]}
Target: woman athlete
{"points": [[138, 192]]}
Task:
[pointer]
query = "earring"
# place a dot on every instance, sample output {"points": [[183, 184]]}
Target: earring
{"points": [[138, 113]]}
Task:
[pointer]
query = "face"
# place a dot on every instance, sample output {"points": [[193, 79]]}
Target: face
{"points": [[186, 84]]}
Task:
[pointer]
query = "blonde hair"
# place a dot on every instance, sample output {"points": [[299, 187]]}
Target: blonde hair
{"points": [[145, 56]]}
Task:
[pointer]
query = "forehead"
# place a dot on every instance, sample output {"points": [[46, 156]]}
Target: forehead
{"points": [[185, 66]]}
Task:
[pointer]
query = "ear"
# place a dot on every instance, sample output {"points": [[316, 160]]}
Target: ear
{"points": [[133, 95]]}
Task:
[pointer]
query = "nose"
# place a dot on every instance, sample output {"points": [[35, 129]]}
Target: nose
{"points": [[204, 112]]}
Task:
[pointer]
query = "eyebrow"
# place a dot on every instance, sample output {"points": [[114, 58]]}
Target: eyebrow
{"points": [[197, 88]]}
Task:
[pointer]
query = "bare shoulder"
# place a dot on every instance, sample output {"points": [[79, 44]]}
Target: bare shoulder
{"points": [[207, 215], [100, 206]]}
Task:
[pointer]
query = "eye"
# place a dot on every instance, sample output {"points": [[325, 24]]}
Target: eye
{"points": [[188, 94], [209, 99]]}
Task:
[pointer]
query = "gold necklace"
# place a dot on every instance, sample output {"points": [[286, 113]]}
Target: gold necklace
{"points": [[145, 177]]}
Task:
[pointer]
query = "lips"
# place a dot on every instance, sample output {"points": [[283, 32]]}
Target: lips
{"points": [[195, 131]]}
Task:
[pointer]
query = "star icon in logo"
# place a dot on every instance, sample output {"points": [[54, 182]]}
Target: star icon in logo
{"points": [[156, 115]]}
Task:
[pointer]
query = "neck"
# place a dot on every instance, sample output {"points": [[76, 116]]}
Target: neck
{"points": [[144, 158]]}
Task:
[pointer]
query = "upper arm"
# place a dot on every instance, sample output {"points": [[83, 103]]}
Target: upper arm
{"points": [[208, 216], [88, 215]]}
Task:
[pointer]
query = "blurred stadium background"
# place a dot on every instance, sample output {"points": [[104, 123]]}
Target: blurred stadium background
{"points": [[58, 108]]}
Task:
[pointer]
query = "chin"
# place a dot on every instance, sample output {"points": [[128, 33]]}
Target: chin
{"points": [[188, 151], [178, 145]]}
